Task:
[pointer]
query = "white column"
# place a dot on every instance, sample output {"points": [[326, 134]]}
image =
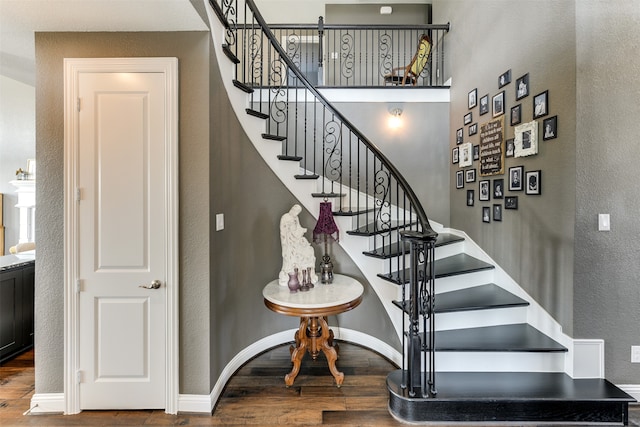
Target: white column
{"points": [[26, 190]]}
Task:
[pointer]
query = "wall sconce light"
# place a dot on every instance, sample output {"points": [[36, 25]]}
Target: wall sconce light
{"points": [[394, 120], [386, 10]]}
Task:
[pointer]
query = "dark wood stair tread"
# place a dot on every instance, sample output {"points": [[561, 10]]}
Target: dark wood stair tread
{"points": [[243, 87], [395, 249], [229, 54], [272, 137], [510, 397], [351, 211], [307, 176], [519, 337], [445, 267], [372, 229], [483, 297], [256, 113], [289, 158], [331, 195]]}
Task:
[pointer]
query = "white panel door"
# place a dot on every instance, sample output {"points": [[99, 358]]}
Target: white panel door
{"points": [[122, 226]]}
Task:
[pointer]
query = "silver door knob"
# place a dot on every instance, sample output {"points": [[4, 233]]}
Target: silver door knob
{"points": [[153, 285]]}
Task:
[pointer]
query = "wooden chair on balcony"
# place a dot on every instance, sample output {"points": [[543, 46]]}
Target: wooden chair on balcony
{"points": [[409, 74]]}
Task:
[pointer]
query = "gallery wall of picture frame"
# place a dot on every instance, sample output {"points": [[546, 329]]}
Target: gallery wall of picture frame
{"points": [[500, 184]]}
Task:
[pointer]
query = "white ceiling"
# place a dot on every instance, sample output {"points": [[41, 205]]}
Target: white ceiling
{"points": [[20, 19]]}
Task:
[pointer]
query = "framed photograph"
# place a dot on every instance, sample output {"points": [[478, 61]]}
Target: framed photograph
{"points": [[459, 179], [541, 104], [454, 155], [515, 178], [516, 115], [550, 128], [534, 185], [504, 79], [473, 129], [470, 175], [468, 118], [511, 202], [497, 212], [498, 188], [484, 104], [476, 152], [526, 141], [459, 136], [470, 197], [498, 104], [473, 98], [522, 87], [484, 195], [466, 155], [486, 214], [510, 148]]}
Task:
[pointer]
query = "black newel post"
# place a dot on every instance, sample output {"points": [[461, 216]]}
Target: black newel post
{"points": [[320, 35]]}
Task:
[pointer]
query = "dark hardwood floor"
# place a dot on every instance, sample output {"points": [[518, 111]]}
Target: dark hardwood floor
{"points": [[256, 396]]}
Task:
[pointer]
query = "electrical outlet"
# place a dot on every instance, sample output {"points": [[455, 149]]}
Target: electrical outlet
{"points": [[635, 354]]}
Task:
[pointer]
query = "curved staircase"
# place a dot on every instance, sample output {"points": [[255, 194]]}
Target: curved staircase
{"points": [[498, 355]]}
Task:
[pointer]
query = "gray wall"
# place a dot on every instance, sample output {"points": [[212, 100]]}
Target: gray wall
{"points": [[418, 148], [191, 49], [607, 271], [535, 243], [17, 144]]}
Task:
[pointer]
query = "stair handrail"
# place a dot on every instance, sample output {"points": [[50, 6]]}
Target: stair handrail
{"points": [[413, 199]]}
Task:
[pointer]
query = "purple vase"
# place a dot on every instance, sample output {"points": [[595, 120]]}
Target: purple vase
{"points": [[294, 283]]}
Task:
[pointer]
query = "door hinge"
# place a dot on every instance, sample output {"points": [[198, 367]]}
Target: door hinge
{"points": [[78, 104], [78, 194], [79, 377], [78, 286]]}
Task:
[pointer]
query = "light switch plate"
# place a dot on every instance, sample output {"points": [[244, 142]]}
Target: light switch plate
{"points": [[604, 222], [219, 222], [635, 354]]}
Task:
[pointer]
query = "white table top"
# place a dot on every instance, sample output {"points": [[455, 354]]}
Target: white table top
{"points": [[343, 290]]}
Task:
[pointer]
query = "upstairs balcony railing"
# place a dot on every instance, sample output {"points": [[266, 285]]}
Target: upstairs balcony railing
{"points": [[339, 55]]}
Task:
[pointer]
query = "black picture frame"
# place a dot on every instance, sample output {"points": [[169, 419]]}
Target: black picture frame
{"points": [[486, 214], [459, 136], [484, 192], [470, 175], [516, 115], [515, 178], [476, 152], [455, 155], [497, 212], [472, 98], [504, 79], [511, 202], [498, 188], [541, 104], [468, 118], [470, 197], [498, 104], [473, 129], [522, 87], [533, 181], [510, 147], [550, 128], [459, 179], [484, 104]]}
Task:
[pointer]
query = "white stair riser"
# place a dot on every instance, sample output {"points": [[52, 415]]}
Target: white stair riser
{"points": [[450, 361], [478, 318]]}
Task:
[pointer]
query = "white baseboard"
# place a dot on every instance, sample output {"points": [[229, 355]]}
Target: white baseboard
{"points": [[47, 403], [197, 403], [631, 389]]}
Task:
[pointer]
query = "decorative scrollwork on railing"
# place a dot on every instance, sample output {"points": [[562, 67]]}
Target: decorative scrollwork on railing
{"points": [[230, 15], [255, 58], [277, 83], [382, 185], [425, 296], [385, 49], [332, 150], [346, 53]]}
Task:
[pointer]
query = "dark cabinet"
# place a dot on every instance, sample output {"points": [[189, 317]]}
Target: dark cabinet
{"points": [[16, 309]]}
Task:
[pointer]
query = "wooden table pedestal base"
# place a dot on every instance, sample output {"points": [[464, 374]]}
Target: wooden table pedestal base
{"points": [[313, 336]]}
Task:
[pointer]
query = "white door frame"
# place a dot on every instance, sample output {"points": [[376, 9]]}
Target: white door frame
{"points": [[72, 68]]}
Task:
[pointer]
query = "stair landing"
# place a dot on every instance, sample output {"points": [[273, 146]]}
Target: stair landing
{"points": [[527, 397]]}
